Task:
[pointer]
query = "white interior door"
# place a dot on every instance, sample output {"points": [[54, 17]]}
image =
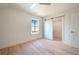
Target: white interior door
{"points": [[74, 30]]}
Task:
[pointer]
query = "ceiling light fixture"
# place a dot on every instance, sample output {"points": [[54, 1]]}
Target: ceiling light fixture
{"points": [[33, 5]]}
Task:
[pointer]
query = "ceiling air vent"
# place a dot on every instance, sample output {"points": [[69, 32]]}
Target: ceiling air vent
{"points": [[44, 3]]}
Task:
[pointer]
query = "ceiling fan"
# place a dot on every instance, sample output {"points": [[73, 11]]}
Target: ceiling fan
{"points": [[44, 3]]}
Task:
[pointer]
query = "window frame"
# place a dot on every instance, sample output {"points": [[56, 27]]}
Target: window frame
{"points": [[37, 25]]}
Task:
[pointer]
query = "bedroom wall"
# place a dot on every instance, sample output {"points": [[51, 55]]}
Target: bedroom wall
{"points": [[15, 27]]}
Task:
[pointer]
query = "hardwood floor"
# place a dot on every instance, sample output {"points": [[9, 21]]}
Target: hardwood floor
{"points": [[40, 47]]}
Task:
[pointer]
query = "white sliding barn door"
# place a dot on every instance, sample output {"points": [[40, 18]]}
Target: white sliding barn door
{"points": [[48, 29]]}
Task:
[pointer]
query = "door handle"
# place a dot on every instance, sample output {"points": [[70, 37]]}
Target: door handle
{"points": [[72, 32]]}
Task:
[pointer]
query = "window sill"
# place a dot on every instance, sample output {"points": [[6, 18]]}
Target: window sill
{"points": [[34, 32]]}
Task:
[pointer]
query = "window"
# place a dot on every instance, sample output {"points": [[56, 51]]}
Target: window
{"points": [[35, 26]]}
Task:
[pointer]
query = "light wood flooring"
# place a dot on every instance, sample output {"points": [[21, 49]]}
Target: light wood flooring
{"points": [[40, 47]]}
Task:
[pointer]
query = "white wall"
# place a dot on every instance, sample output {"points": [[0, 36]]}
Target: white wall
{"points": [[48, 29], [70, 23], [15, 27]]}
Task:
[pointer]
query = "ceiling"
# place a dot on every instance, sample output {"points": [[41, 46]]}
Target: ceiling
{"points": [[42, 10]]}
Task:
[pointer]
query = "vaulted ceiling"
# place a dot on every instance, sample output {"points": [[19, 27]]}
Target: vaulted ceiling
{"points": [[41, 10]]}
